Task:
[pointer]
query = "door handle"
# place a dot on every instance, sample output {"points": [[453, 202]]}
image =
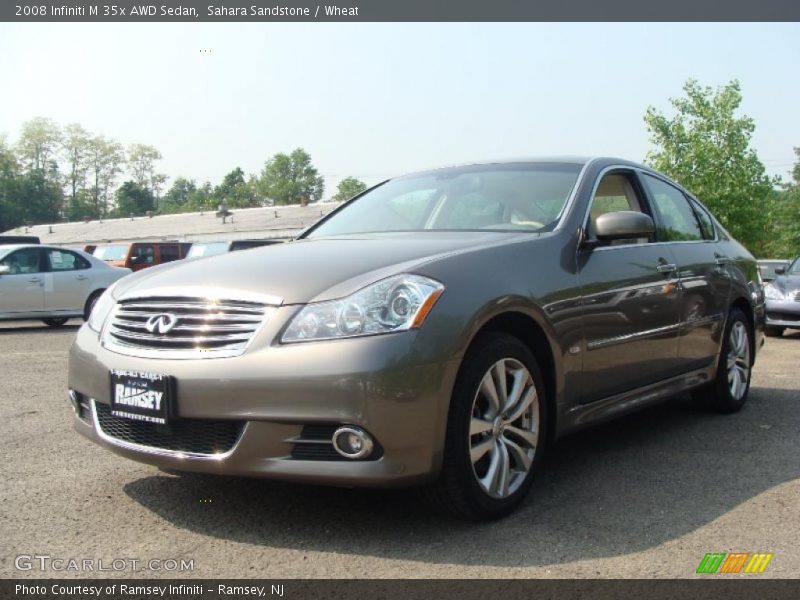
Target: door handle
{"points": [[667, 268], [81, 278], [34, 280]]}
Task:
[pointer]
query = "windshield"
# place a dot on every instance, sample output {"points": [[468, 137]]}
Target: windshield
{"points": [[501, 197], [209, 249], [795, 268], [115, 252], [4, 251]]}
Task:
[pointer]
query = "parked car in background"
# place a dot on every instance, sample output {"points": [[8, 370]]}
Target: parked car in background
{"points": [[440, 329], [783, 300], [140, 255], [88, 248], [199, 249], [51, 283], [19, 239], [767, 268]]}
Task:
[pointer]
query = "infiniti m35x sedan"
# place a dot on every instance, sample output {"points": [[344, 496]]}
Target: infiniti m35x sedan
{"points": [[440, 329]]}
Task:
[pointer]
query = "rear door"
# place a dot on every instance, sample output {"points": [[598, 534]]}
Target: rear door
{"points": [[705, 282], [22, 289], [68, 280], [630, 299]]}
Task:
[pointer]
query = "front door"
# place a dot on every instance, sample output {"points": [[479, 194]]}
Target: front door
{"points": [[22, 288], [630, 301]]}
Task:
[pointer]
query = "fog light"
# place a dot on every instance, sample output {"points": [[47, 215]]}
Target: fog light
{"points": [[352, 442], [73, 400]]}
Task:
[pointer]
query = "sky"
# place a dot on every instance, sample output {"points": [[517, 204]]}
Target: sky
{"points": [[375, 100]]}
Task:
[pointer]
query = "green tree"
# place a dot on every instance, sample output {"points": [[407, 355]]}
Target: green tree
{"points": [[10, 217], [106, 159], [349, 187], [133, 198], [291, 179], [785, 216], [39, 198], [38, 144], [75, 144], [142, 163], [706, 147]]}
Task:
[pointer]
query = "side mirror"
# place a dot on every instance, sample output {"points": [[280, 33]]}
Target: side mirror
{"points": [[5, 269], [623, 225], [778, 270]]}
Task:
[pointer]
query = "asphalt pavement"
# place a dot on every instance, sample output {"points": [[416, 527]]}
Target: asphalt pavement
{"points": [[644, 496]]}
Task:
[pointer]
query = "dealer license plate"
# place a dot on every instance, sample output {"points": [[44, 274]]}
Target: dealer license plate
{"points": [[141, 396]]}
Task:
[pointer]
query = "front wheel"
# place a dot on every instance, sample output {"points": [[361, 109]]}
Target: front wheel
{"points": [[728, 392], [55, 322], [495, 431]]}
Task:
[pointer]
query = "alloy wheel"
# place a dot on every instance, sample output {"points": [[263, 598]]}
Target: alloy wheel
{"points": [[738, 360], [504, 428]]}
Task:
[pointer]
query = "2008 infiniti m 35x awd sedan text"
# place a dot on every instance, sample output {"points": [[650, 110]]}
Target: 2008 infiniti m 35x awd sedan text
{"points": [[440, 329]]}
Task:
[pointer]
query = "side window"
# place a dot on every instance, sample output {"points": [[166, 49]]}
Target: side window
{"points": [[22, 261], [144, 255], [706, 223], [615, 192], [169, 252], [678, 220], [61, 260]]}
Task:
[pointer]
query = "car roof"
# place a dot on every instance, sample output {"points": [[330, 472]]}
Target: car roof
{"points": [[581, 161]]}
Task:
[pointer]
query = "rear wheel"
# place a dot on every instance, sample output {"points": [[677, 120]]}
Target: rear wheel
{"points": [[495, 431], [773, 331], [55, 322], [728, 392]]}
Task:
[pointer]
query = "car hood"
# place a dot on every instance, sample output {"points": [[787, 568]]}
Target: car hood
{"points": [[306, 270], [787, 283]]}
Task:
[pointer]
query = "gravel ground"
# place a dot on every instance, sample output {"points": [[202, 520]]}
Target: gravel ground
{"points": [[644, 496]]}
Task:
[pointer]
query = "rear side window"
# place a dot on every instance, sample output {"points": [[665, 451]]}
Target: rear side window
{"points": [[62, 260], [144, 255], [678, 220]]}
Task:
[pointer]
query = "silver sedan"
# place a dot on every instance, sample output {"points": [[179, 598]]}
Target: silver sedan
{"points": [[51, 283]]}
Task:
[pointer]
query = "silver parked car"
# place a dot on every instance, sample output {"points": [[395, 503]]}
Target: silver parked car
{"points": [[783, 299], [440, 329], [51, 283]]}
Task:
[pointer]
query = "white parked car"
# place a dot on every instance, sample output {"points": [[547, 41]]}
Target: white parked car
{"points": [[50, 283]]}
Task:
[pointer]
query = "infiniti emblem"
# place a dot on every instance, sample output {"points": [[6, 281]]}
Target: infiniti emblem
{"points": [[162, 323]]}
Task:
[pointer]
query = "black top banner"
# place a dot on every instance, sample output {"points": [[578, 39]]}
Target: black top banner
{"points": [[401, 10]]}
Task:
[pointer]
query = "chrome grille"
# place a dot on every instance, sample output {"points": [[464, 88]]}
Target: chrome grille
{"points": [[190, 326], [797, 296]]}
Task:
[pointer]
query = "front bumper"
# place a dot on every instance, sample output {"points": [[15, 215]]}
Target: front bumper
{"points": [[783, 313], [382, 384]]}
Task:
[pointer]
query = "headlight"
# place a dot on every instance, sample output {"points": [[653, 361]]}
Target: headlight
{"points": [[393, 304], [772, 293], [101, 309]]}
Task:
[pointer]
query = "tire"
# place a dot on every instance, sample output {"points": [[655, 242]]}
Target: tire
{"points": [[773, 331], [466, 489], [728, 392], [92, 300], [55, 322]]}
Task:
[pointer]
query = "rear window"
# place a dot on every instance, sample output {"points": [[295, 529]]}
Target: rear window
{"points": [[114, 252]]}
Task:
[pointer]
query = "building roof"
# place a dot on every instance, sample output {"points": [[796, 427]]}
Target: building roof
{"points": [[279, 222]]}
